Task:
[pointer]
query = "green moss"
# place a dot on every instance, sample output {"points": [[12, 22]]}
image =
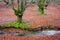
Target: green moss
{"points": [[41, 6], [56, 18], [49, 26], [2, 27], [17, 24], [41, 13]]}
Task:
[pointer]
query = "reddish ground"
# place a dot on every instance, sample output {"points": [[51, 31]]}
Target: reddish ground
{"points": [[14, 30], [51, 17], [6, 14], [2, 5], [12, 37]]}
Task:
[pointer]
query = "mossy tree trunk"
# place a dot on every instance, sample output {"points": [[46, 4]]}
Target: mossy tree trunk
{"points": [[41, 6], [21, 8]]}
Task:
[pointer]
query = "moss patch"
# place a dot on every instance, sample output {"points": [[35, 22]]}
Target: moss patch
{"points": [[17, 24], [56, 18]]}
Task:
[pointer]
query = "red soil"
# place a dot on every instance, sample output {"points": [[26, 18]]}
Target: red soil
{"points": [[52, 13], [7, 15], [2, 5], [14, 30], [12, 37]]}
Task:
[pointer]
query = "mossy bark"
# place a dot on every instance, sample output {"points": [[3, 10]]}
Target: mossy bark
{"points": [[21, 8], [41, 6]]}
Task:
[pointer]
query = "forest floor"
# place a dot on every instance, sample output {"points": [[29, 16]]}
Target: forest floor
{"points": [[32, 16]]}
